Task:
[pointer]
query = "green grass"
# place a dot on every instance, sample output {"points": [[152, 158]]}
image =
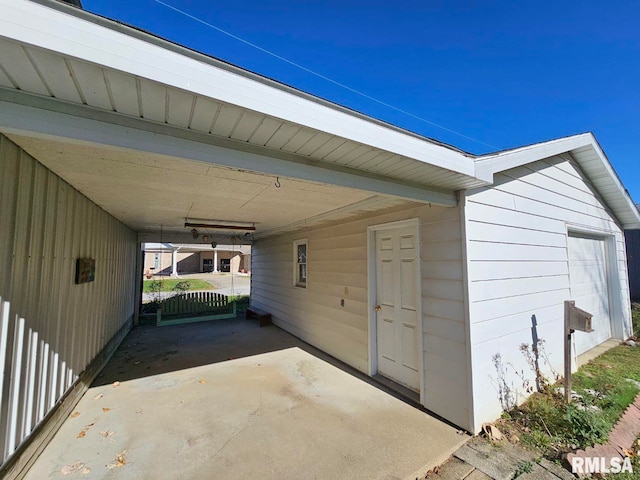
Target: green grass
{"points": [[545, 422], [635, 314], [169, 285]]}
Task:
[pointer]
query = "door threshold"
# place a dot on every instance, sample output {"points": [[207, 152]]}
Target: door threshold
{"points": [[405, 392]]}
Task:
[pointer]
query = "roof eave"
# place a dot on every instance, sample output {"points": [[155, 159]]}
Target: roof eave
{"points": [[618, 200]]}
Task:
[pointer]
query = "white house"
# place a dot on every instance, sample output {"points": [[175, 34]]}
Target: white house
{"points": [[396, 254]]}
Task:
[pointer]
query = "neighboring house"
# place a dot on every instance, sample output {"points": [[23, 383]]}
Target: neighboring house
{"points": [[394, 253], [174, 259], [632, 239]]}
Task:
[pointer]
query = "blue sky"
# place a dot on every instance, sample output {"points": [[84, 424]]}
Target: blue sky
{"points": [[503, 73]]}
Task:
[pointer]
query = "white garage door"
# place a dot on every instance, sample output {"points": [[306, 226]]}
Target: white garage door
{"points": [[589, 287]]}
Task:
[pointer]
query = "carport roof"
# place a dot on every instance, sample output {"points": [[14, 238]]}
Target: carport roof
{"points": [[67, 75]]}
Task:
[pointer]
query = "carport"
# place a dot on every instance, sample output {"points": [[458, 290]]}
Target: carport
{"points": [[231, 400], [111, 137]]}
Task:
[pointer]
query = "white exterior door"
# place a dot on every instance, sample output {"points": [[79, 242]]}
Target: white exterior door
{"points": [[397, 294], [590, 288]]}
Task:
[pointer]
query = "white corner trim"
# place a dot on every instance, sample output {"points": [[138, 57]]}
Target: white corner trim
{"points": [[467, 310]]}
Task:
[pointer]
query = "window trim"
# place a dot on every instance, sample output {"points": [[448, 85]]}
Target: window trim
{"points": [[296, 244]]}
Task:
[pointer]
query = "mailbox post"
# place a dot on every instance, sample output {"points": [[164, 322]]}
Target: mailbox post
{"points": [[574, 319]]}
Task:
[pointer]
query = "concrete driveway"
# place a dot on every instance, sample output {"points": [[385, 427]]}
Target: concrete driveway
{"points": [[230, 400]]}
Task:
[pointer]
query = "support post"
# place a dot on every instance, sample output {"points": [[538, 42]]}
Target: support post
{"points": [[567, 350], [174, 263], [138, 285], [215, 261]]}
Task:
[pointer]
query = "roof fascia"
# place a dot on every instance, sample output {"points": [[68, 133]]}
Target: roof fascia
{"points": [[66, 33], [488, 165]]}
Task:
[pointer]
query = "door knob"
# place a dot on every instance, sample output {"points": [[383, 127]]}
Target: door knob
{"points": [[378, 308]]}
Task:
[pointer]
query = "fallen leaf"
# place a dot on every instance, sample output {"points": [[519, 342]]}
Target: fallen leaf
{"points": [[626, 452], [120, 461], [86, 471], [138, 411], [137, 363], [75, 414], [115, 384], [121, 458], [105, 409], [107, 433], [84, 430], [69, 469], [203, 381], [98, 397]]}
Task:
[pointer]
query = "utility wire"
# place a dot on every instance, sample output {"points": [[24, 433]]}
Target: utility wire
{"points": [[319, 75]]}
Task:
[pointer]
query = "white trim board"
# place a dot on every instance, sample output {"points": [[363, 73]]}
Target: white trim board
{"points": [[114, 130], [587, 153]]}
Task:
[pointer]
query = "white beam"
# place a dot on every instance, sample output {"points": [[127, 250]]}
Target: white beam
{"points": [[40, 117], [186, 238]]}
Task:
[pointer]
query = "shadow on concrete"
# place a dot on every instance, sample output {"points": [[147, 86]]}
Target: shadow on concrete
{"points": [[150, 350]]}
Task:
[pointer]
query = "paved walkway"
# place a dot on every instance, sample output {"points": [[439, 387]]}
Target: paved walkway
{"points": [[481, 459]]}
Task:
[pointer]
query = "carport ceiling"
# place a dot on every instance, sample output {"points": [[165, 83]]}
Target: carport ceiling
{"points": [[148, 191]]}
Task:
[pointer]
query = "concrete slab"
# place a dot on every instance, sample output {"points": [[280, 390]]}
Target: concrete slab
{"points": [[231, 400]]}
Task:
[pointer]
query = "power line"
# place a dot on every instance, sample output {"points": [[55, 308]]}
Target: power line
{"points": [[319, 75]]}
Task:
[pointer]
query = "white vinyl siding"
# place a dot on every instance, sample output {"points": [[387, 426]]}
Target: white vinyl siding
{"points": [[518, 268], [54, 327], [337, 265]]}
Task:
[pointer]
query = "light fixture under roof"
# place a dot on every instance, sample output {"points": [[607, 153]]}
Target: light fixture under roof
{"points": [[219, 225]]}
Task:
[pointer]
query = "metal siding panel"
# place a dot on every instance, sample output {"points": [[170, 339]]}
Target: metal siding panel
{"points": [[246, 126], [300, 139], [354, 154], [125, 93], [226, 121], [153, 100], [55, 327], [265, 131], [203, 114], [18, 65], [632, 238], [180, 108], [57, 75], [4, 80], [373, 164], [282, 135], [344, 149], [316, 142], [328, 147], [91, 83]]}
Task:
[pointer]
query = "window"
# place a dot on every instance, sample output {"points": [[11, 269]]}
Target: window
{"points": [[300, 263]]}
